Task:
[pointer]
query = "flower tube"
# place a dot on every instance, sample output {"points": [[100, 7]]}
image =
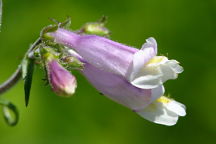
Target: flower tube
{"points": [[142, 68]]}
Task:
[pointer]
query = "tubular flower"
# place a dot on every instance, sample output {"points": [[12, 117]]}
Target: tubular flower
{"points": [[129, 76], [63, 83], [142, 68]]}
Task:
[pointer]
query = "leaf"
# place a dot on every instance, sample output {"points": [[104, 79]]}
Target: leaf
{"points": [[10, 112], [27, 71]]}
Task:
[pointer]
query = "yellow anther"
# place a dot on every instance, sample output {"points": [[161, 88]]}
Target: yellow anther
{"points": [[163, 99], [156, 59]]}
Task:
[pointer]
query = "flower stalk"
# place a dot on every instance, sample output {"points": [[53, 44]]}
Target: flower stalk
{"points": [[16, 76]]}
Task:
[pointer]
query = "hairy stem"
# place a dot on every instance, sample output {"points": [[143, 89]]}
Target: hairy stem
{"points": [[16, 76]]}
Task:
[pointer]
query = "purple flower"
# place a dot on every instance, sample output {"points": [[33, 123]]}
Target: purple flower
{"points": [[140, 67], [63, 83], [129, 76]]}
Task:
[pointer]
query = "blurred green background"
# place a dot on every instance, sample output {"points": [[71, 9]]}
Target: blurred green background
{"points": [[184, 29]]}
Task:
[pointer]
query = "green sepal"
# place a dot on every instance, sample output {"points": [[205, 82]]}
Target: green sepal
{"points": [[10, 112], [65, 24], [27, 74], [71, 63], [48, 53], [50, 28]]}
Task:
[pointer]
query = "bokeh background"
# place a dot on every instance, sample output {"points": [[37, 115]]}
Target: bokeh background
{"points": [[185, 30]]}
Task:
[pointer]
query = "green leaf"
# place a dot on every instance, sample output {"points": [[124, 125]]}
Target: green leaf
{"points": [[27, 71], [10, 112]]}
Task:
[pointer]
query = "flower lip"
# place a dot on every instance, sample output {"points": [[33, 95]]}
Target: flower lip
{"points": [[163, 111], [150, 43], [155, 72], [141, 57]]}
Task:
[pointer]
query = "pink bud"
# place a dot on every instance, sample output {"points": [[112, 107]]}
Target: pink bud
{"points": [[63, 83]]}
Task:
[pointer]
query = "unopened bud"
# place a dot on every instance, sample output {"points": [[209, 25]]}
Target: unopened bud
{"points": [[63, 83], [96, 28]]}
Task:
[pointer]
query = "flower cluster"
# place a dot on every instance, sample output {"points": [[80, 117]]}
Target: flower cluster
{"points": [[132, 77], [127, 75]]}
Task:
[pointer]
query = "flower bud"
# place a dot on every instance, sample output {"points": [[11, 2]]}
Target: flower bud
{"points": [[96, 28], [63, 83]]}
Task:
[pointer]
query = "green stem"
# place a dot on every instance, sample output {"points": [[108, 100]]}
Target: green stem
{"points": [[16, 76]]}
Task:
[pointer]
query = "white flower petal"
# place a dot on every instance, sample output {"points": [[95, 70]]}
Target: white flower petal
{"points": [[163, 111], [170, 70], [140, 58], [174, 65], [176, 107], [150, 42], [154, 73], [158, 91], [149, 76], [157, 113], [147, 81]]}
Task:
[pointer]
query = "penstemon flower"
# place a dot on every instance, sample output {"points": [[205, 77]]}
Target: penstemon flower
{"points": [[131, 77], [142, 68]]}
